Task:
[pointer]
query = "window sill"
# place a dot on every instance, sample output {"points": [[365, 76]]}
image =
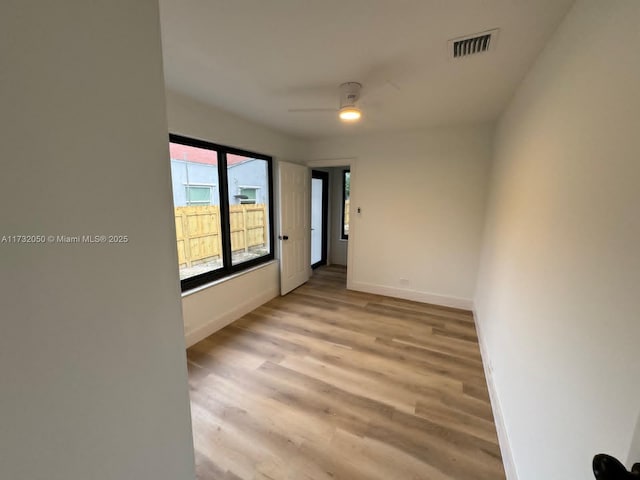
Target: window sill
{"points": [[226, 279]]}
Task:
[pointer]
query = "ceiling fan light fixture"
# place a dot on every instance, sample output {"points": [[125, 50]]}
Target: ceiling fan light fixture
{"points": [[350, 114]]}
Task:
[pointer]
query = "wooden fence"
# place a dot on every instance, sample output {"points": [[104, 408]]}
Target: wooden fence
{"points": [[346, 216], [198, 231]]}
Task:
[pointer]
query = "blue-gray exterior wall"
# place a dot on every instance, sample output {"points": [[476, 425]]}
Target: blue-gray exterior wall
{"points": [[183, 173], [247, 174]]}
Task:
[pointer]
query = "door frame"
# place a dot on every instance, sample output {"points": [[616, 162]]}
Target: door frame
{"points": [[354, 213], [324, 176]]}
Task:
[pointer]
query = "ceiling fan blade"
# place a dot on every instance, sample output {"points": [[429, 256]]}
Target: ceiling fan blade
{"points": [[311, 110]]}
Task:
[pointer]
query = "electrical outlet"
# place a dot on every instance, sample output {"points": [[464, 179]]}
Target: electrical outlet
{"points": [[404, 281]]}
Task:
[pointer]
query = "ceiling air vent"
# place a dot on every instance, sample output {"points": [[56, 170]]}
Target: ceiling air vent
{"points": [[473, 44]]}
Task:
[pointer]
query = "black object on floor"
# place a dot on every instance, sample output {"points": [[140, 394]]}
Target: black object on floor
{"points": [[606, 467]]}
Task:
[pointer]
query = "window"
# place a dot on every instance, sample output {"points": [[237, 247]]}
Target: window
{"points": [[248, 195], [346, 188], [223, 209], [198, 195]]}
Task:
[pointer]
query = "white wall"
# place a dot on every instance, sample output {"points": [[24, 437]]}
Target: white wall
{"points": [[189, 117], [557, 298], [422, 196], [210, 309], [92, 362]]}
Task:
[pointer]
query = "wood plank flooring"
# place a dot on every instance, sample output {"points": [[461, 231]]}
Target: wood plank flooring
{"points": [[327, 384]]}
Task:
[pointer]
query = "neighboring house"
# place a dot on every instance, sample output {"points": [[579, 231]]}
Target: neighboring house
{"points": [[248, 179], [194, 178]]}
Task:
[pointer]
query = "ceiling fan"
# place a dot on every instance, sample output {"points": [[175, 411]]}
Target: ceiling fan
{"points": [[348, 110]]}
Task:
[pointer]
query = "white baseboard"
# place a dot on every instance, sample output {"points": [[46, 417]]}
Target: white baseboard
{"points": [[503, 438], [415, 295], [222, 320]]}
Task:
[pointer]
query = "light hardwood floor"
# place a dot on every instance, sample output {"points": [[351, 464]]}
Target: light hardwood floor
{"points": [[327, 384]]}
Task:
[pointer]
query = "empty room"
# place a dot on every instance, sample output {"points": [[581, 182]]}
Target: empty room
{"points": [[320, 240]]}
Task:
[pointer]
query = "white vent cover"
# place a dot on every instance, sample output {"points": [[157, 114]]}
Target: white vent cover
{"points": [[473, 44]]}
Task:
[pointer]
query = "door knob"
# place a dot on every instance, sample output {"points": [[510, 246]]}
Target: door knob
{"points": [[283, 237]]}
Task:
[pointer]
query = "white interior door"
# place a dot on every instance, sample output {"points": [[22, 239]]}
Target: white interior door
{"points": [[295, 226]]}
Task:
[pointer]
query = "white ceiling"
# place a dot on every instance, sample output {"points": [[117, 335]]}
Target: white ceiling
{"points": [[259, 58]]}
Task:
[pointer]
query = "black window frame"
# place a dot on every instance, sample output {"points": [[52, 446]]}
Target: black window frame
{"points": [[228, 268], [344, 236]]}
